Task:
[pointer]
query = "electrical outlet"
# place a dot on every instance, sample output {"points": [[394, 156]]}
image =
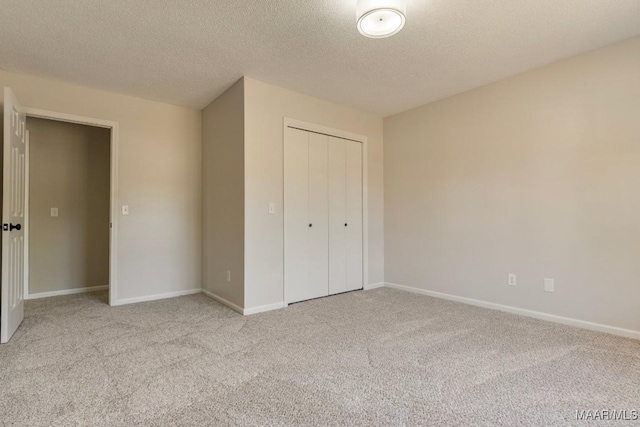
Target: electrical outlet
{"points": [[54, 212], [228, 276], [549, 285], [513, 281]]}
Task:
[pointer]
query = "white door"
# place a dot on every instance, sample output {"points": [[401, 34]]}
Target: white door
{"points": [[305, 216], [354, 222], [337, 216], [318, 217], [13, 213], [296, 214], [322, 215]]}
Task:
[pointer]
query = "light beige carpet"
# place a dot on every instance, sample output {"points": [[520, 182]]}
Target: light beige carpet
{"points": [[381, 357]]}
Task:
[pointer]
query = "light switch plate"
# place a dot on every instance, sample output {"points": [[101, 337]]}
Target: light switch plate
{"points": [[513, 280], [125, 209], [54, 212], [272, 208], [549, 285]]}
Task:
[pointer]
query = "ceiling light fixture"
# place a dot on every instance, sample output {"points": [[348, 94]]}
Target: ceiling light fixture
{"points": [[378, 19]]}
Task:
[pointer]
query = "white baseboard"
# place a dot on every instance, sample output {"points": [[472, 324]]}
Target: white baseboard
{"points": [[156, 297], [627, 333], [243, 311], [374, 286], [223, 301], [66, 292], [263, 308]]}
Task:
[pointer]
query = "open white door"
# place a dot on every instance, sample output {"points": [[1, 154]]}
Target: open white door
{"points": [[13, 208]]}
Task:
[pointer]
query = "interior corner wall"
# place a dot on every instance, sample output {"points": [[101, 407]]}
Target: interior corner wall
{"points": [[266, 106], [223, 195], [159, 177], [537, 175], [69, 170]]}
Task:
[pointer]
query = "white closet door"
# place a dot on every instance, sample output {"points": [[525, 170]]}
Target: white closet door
{"points": [[337, 216], [296, 215], [318, 217], [353, 157]]}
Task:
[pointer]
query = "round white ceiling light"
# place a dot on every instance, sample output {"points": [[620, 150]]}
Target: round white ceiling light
{"points": [[378, 19]]}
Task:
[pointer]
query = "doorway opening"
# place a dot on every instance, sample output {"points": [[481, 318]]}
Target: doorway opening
{"points": [[97, 126], [67, 216]]}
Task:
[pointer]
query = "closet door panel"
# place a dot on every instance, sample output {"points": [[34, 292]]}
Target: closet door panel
{"points": [[296, 215], [337, 216], [353, 155], [318, 216]]}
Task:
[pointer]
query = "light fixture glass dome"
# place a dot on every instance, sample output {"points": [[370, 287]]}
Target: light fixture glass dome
{"points": [[381, 18]]}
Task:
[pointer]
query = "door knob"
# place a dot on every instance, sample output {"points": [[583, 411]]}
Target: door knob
{"points": [[310, 225], [345, 225], [11, 227]]}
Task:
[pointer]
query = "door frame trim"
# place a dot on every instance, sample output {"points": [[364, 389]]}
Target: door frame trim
{"points": [[113, 196], [324, 130]]}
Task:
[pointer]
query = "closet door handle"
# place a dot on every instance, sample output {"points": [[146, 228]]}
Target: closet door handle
{"points": [[310, 225], [345, 225]]}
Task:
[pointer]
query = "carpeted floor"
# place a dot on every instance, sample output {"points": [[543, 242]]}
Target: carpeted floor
{"points": [[381, 357]]}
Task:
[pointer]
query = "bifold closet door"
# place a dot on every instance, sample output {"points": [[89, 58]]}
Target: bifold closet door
{"points": [[296, 213], [337, 216], [318, 217], [354, 231], [306, 249], [345, 215]]}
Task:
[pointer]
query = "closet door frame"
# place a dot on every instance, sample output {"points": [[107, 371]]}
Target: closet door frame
{"points": [[311, 127]]}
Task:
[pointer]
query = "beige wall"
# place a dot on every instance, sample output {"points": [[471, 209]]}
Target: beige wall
{"points": [[537, 175], [159, 173], [223, 195], [265, 108], [69, 170]]}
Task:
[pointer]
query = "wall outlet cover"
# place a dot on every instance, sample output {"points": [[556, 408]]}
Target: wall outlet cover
{"points": [[513, 280]]}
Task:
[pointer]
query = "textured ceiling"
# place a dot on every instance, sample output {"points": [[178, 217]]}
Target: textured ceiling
{"points": [[187, 52]]}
